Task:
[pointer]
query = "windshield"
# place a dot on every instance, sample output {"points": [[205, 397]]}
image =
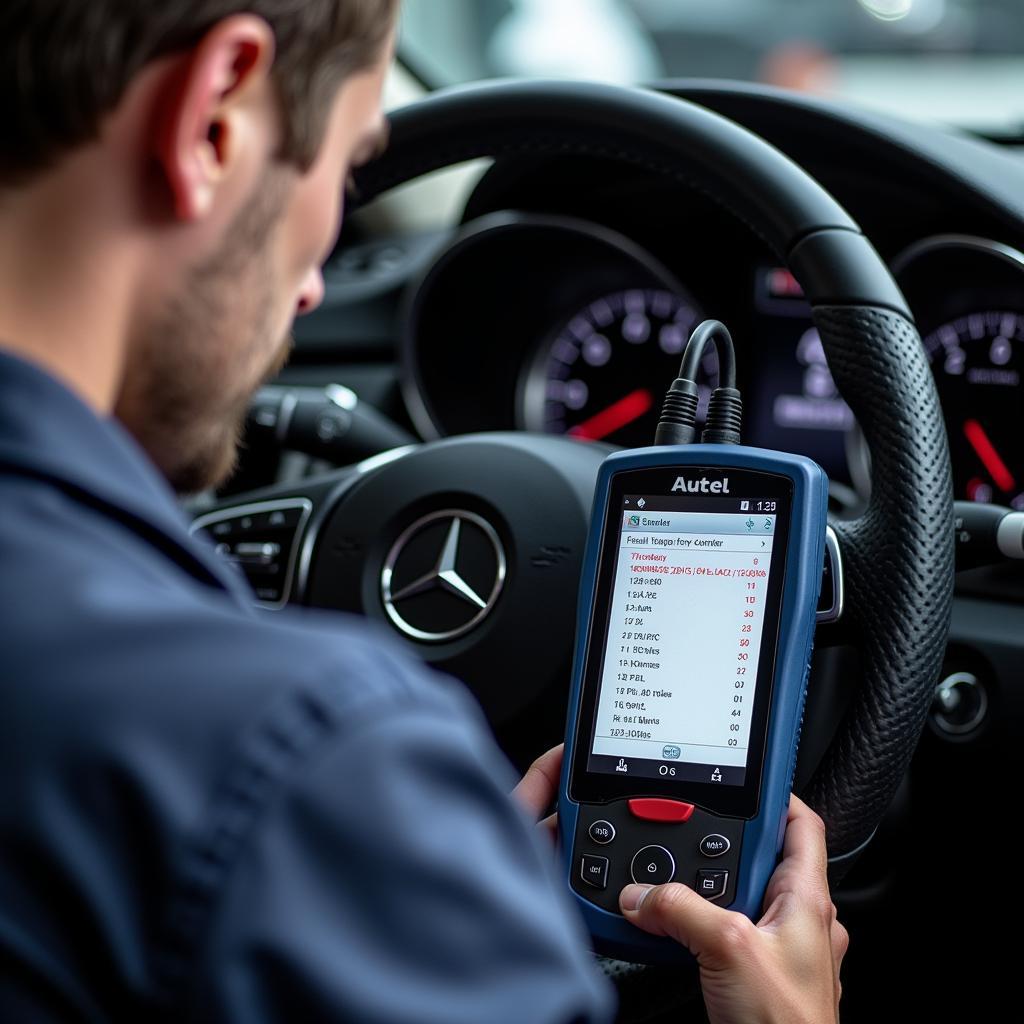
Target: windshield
{"points": [[959, 62]]}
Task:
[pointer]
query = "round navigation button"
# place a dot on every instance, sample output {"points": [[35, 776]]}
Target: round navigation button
{"points": [[602, 832], [714, 845], [653, 865]]}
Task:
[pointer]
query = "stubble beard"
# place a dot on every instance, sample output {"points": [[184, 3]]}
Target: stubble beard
{"points": [[190, 376]]}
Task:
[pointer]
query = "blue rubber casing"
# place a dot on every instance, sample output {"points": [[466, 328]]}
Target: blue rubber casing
{"points": [[763, 834]]}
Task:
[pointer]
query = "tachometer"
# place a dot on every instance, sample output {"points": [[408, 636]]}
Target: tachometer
{"points": [[978, 360], [603, 374]]}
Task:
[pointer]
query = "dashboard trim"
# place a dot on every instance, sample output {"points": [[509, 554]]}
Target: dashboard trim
{"points": [[837, 603], [224, 515], [936, 243]]}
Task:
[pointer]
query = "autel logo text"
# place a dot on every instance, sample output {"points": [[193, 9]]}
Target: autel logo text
{"points": [[701, 486]]}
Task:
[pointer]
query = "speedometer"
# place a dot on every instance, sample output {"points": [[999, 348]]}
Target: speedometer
{"points": [[978, 360], [601, 376]]}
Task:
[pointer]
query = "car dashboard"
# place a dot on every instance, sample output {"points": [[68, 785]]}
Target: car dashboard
{"points": [[559, 302]]}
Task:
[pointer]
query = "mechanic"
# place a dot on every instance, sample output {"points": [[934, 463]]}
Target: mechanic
{"points": [[207, 813]]}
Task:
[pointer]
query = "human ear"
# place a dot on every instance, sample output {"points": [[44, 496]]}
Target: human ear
{"points": [[209, 110]]}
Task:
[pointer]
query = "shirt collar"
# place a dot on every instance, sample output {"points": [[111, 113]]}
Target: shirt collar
{"points": [[48, 431]]}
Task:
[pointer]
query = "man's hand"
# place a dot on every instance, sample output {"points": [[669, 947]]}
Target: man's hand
{"points": [[538, 788], [785, 968]]}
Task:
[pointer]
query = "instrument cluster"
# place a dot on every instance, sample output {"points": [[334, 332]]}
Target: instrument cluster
{"points": [[563, 326]]}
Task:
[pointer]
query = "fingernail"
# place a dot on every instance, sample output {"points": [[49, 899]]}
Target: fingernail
{"points": [[633, 895]]}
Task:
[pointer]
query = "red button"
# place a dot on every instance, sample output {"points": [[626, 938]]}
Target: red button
{"points": [[660, 810]]}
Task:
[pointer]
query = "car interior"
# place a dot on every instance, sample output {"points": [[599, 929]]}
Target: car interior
{"points": [[507, 303]]}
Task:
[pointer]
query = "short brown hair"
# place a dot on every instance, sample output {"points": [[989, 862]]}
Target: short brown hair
{"points": [[65, 64]]}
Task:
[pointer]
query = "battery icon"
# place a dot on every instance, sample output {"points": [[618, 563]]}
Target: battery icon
{"points": [[744, 506]]}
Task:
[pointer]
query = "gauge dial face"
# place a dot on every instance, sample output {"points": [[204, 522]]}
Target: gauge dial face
{"points": [[605, 373], [978, 361]]}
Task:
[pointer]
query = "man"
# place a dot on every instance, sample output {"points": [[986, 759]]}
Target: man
{"points": [[205, 815]]}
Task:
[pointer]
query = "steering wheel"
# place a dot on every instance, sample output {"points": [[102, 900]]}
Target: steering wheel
{"points": [[516, 505]]}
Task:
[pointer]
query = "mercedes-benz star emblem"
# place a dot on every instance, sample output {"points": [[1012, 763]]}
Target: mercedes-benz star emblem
{"points": [[443, 575]]}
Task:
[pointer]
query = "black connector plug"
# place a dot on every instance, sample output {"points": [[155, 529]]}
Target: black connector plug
{"points": [[725, 417], [678, 423]]}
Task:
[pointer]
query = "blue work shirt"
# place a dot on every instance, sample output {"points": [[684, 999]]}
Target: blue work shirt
{"points": [[213, 814]]}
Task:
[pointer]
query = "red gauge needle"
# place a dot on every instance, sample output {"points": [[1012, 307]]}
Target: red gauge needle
{"points": [[615, 417], [975, 434]]}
